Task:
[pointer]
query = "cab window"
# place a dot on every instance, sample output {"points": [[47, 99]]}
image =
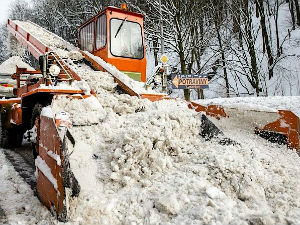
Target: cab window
{"points": [[126, 39], [87, 37], [101, 32]]}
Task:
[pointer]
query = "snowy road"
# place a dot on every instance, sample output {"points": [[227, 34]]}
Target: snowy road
{"points": [[18, 203]]}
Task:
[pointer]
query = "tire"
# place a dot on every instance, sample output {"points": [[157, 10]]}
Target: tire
{"points": [[4, 139], [35, 121], [10, 137]]}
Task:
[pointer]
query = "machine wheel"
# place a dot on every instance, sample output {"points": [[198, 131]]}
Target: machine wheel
{"points": [[5, 141], [35, 121], [10, 138]]}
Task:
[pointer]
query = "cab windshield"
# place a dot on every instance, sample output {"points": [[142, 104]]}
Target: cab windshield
{"points": [[126, 39]]}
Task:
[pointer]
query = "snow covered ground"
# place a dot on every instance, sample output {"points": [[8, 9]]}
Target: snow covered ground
{"points": [[17, 201]]}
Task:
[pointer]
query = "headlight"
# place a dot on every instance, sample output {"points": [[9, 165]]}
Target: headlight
{"points": [[54, 70]]}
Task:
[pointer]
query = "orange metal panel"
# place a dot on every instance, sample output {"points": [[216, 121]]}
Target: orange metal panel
{"points": [[16, 112], [53, 91], [216, 111], [121, 63], [9, 101], [50, 141], [111, 9], [155, 97], [288, 125]]}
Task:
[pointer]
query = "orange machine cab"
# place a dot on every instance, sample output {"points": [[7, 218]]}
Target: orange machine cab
{"points": [[117, 36]]}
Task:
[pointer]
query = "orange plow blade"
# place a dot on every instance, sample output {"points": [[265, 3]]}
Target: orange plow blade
{"points": [[55, 181]]}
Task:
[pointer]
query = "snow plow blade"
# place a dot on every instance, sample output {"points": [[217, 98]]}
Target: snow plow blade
{"points": [[55, 180], [280, 126]]}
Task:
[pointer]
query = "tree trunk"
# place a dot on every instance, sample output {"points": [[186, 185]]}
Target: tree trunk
{"points": [[181, 55], [291, 7], [265, 36], [235, 17], [223, 63], [200, 93], [155, 49], [254, 81], [297, 12], [276, 28]]}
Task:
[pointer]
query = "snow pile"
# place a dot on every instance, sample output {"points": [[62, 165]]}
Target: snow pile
{"points": [[7, 91], [9, 66], [75, 86], [291, 103], [82, 111], [104, 86], [148, 165]]}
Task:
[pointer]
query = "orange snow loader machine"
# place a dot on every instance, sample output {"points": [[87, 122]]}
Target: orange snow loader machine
{"points": [[117, 37]]}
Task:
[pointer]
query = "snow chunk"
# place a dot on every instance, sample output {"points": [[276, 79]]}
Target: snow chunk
{"points": [[47, 112], [168, 204], [81, 111], [82, 85], [214, 192]]}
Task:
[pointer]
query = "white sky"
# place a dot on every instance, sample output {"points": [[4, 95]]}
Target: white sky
{"points": [[4, 5]]}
